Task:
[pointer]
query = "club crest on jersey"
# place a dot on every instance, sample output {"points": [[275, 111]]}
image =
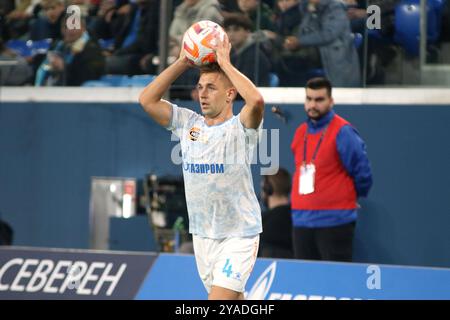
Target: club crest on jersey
{"points": [[194, 133]]}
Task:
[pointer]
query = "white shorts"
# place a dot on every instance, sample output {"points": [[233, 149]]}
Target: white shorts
{"points": [[225, 263]]}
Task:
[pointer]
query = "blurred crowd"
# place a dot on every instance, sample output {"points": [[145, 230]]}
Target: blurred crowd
{"points": [[275, 42]]}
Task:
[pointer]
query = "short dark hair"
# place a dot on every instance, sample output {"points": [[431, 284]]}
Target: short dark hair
{"points": [[239, 20], [214, 68], [319, 83], [280, 182]]}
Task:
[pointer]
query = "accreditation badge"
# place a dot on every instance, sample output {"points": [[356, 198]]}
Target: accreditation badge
{"points": [[307, 174]]}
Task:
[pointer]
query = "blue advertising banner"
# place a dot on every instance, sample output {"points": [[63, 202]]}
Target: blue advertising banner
{"points": [[32, 273], [173, 277], [176, 277], [301, 280]]}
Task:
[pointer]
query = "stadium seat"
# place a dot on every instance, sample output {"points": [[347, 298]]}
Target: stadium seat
{"points": [[29, 48], [20, 47], [106, 44], [141, 80], [274, 80], [115, 80], [95, 83], [407, 24], [39, 46]]}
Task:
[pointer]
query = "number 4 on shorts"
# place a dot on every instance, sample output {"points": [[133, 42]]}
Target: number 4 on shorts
{"points": [[227, 268]]}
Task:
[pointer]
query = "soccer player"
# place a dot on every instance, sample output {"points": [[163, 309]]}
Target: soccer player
{"points": [[217, 147]]}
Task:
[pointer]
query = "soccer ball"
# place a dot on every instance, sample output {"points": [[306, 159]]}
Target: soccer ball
{"points": [[199, 41]]}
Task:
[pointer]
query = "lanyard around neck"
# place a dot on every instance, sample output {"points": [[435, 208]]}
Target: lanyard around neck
{"points": [[305, 143]]}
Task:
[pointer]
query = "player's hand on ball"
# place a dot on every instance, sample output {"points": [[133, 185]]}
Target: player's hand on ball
{"points": [[223, 49], [182, 57]]}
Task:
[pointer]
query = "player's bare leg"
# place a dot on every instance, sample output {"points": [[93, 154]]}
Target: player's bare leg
{"points": [[219, 293]]}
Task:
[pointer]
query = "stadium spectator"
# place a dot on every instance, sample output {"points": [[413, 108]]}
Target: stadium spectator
{"points": [[380, 52], [6, 6], [16, 17], [111, 21], [276, 238], [228, 7], [325, 26], [74, 60], [186, 14], [288, 18], [289, 62], [16, 74], [250, 9], [136, 40], [357, 13], [331, 171], [245, 52], [48, 25]]}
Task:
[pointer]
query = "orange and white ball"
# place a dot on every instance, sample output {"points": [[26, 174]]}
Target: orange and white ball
{"points": [[199, 41]]}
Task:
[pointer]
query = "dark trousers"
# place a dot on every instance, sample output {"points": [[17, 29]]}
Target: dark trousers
{"points": [[331, 243]]}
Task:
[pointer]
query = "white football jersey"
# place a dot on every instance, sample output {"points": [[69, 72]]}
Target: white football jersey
{"points": [[220, 197]]}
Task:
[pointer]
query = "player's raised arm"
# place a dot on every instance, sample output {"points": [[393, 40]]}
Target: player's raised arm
{"points": [[150, 98], [253, 110]]}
